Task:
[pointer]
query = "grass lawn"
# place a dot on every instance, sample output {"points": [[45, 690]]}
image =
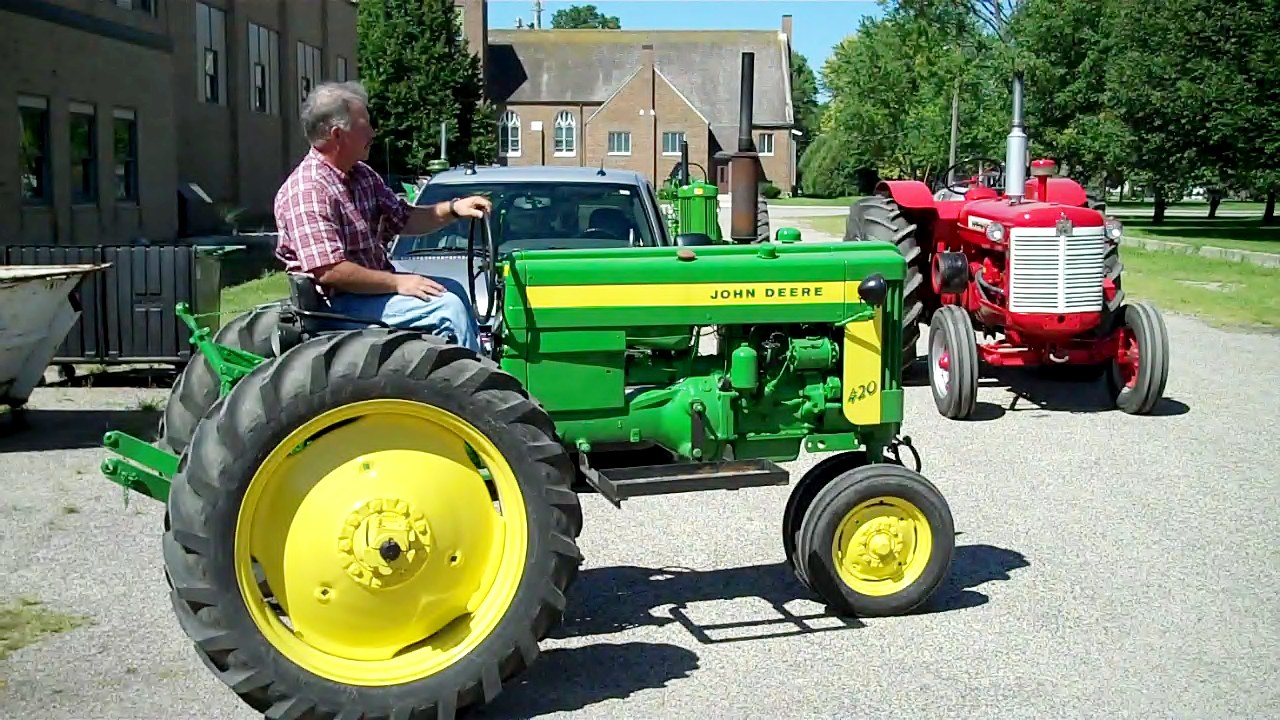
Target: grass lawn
{"points": [[841, 201], [1191, 205], [1221, 292], [1234, 233], [239, 299]]}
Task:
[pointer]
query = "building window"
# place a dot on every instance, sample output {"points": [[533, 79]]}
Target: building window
{"points": [[308, 69], [566, 134], [509, 134], [82, 127], [764, 143], [150, 7], [124, 137], [264, 69], [342, 69], [211, 46], [33, 121], [619, 142], [671, 142]]}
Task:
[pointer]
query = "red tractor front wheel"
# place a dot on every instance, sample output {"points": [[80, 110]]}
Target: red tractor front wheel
{"points": [[1140, 367], [953, 362]]}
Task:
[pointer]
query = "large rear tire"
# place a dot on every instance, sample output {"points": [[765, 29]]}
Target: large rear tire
{"points": [[763, 234], [339, 484], [197, 387], [879, 218]]}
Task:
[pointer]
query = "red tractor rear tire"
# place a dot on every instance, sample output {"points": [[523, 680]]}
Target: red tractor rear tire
{"points": [[880, 218]]}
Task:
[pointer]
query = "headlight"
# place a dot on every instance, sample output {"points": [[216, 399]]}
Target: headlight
{"points": [[1113, 228], [995, 232]]}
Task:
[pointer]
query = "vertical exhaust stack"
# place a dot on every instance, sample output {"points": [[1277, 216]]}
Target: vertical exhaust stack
{"points": [[1016, 149], [684, 163], [743, 171]]}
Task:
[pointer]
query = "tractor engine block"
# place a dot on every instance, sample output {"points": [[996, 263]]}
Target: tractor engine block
{"points": [[807, 349]]}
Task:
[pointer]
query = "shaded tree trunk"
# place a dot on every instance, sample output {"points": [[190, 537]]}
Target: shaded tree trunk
{"points": [[1157, 216], [1269, 214], [1215, 200]]}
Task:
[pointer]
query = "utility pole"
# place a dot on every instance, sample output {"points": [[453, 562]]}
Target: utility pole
{"points": [[955, 130], [537, 14]]}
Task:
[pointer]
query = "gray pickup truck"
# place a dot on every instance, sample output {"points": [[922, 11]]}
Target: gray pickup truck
{"points": [[534, 208]]}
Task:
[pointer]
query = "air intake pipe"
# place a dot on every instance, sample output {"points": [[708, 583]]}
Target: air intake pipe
{"points": [[743, 170], [1015, 159]]}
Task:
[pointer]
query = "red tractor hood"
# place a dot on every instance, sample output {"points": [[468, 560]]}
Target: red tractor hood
{"points": [[1026, 214]]}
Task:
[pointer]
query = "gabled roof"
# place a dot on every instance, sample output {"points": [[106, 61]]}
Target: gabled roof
{"points": [[587, 66]]}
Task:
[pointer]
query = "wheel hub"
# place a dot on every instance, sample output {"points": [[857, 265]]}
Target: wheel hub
{"points": [[882, 545], [384, 542], [879, 548], [941, 374]]}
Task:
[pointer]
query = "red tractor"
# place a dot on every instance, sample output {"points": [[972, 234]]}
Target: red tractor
{"points": [[1036, 264]]}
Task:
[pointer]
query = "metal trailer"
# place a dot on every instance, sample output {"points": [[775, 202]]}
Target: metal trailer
{"points": [[38, 306]]}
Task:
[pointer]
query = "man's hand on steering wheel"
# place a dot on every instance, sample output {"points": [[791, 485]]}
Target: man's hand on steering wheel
{"points": [[474, 206]]}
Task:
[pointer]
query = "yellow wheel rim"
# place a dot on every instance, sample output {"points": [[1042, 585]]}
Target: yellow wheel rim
{"points": [[882, 546], [381, 542]]}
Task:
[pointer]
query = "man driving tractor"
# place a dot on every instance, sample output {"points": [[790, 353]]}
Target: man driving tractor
{"points": [[334, 215]]}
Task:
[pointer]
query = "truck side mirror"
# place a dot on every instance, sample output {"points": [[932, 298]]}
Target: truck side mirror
{"points": [[693, 239]]}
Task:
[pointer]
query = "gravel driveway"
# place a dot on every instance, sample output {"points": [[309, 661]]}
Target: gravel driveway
{"points": [[1106, 565]]}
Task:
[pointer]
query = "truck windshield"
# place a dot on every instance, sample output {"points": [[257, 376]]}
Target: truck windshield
{"points": [[540, 215]]}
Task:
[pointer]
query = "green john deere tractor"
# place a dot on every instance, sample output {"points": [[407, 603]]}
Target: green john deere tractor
{"points": [[695, 204], [379, 523]]}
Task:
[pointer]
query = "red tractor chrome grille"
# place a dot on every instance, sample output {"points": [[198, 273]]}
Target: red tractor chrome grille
{"points": [[1051, 273]]}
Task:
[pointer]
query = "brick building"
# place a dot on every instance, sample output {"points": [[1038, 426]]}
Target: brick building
{"points": [[146, 118], [626, 98]]}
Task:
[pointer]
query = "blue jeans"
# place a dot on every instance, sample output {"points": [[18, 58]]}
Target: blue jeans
{"points": [[448, 315]]}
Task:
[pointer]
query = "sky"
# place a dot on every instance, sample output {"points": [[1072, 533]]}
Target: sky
{"points": [[816, 25]]}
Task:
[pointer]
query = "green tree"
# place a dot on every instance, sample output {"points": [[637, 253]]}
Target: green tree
{"points": [[891, 86], [1066, 50], [419, 73], [804, 100], [1185, 78], [584, 17]]}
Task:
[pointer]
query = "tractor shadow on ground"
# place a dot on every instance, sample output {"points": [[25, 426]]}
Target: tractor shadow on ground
{"points": [[616, 599], [1037, 389], [37, 430], [569, 679]]}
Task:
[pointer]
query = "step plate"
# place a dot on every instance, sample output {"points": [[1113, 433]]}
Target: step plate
{"points": [[618, 484]]}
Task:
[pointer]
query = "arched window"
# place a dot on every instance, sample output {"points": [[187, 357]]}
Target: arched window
{"points": [[509, 134], [566, 134]]}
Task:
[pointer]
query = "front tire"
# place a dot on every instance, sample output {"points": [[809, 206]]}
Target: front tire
{"points": [[1137, 376], [953, 362], [340, 484], [876, 541]]}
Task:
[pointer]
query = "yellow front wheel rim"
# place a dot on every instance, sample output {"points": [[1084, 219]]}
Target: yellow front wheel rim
{"points": [[882, 546], [381, 542]]}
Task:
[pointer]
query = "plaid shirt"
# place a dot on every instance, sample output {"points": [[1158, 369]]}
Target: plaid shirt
{"points": [[324, 215]]}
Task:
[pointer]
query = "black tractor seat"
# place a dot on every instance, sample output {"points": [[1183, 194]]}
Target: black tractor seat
{"points": [[302, 318]]}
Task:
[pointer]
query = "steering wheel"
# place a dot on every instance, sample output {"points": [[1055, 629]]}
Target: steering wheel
{"points": [[489, 268], [600, 233], [962, 187]]}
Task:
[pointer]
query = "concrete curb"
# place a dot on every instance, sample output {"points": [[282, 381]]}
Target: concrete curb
{"points": [[1261, 259]]}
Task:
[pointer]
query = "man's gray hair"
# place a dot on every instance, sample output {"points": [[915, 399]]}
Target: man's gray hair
{"points": [[328, 106]]}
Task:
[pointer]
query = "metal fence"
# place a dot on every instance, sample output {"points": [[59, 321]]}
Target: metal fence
{"points": [[127, 310]]}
